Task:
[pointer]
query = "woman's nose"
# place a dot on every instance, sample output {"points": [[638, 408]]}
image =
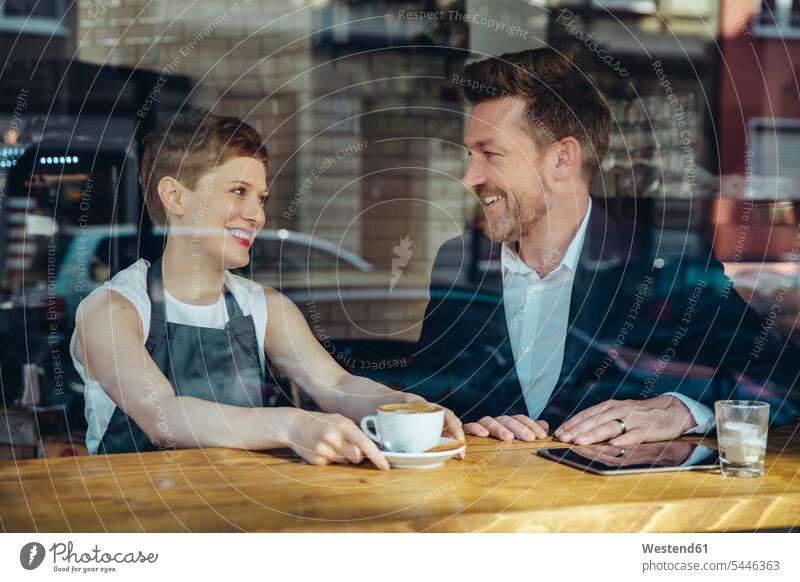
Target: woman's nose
{"points": [[252, 209]]}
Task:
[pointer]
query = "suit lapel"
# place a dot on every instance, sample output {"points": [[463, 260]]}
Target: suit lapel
{"points": [[492, 284], [597, 278]]}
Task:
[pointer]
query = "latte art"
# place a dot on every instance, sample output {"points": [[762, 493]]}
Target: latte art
{"points": [[412, 408]]}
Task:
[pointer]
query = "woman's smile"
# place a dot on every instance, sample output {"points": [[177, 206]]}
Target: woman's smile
{"points": [[242, 236]]}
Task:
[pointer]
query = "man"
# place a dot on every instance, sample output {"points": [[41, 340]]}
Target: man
{"points": [[593, 326]]}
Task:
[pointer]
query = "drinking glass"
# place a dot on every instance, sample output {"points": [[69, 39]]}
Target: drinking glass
{"points": [[742, 437]]}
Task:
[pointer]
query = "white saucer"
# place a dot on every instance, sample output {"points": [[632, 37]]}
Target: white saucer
{"points": [[422, 460]]}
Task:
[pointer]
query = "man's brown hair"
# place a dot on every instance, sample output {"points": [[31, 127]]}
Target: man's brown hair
{"points": [[561, 100], [190, 146]]}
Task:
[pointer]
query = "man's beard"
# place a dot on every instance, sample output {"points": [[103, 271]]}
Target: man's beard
{"points": [[518, 219]]}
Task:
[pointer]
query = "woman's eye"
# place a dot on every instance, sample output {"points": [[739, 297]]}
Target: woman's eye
{"points": [[263, 200], [239, 191]]}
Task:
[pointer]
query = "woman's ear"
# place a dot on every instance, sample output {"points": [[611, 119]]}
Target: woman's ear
{"points": [[172, 196]]}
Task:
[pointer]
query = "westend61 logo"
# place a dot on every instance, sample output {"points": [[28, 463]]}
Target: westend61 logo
{"points": [[65, 559]]}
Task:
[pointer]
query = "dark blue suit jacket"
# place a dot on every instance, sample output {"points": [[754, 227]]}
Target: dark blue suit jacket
{"points": [[651, 312]]}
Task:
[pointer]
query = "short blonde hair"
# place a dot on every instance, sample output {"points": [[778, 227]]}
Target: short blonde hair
{"points": [[188, 147]]}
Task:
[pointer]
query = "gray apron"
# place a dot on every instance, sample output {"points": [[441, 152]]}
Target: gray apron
{"points": [[220, 365]]}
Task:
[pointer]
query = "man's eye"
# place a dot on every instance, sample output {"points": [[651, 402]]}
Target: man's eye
{"points": [[489, 154]]}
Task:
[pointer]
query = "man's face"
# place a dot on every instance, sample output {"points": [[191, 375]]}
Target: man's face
{"points": [[505, 169]]}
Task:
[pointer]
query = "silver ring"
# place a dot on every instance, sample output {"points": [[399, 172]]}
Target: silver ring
{"points": [[621, 453], [621, 425]]}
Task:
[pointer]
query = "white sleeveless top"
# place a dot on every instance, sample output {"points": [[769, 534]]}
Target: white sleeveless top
{"points": [[131, 283]]}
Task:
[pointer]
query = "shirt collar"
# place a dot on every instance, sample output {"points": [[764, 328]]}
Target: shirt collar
{"points": [[511, 261]]}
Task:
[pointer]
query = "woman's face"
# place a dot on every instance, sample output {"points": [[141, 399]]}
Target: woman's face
{"points": [[225, 212]]}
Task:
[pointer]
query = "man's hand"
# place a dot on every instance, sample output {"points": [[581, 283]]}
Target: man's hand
{"points": [[656, 419], [507, 428]]}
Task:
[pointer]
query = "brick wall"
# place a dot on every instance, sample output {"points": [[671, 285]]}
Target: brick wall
{"points": [[362, 152]]}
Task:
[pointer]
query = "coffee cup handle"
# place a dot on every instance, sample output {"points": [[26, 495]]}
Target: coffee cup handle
{"points": [[364, 426]]}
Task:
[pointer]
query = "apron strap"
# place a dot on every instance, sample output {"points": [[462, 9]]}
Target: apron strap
{"points": [[234, 311], [158, 312], [155, 292]]}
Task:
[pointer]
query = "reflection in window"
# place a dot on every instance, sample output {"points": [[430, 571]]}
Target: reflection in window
{"points": [[33, 8]]}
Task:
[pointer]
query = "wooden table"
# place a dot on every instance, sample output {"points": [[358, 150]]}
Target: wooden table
{"points": [[499, 487]]}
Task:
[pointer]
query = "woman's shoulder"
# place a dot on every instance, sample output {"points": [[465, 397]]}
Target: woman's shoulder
{"points": [[272, 295], [277, 303], [126, 289], [132, 277]]}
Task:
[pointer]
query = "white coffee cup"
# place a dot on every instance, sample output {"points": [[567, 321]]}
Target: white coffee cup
{"points": [[406, 428]]}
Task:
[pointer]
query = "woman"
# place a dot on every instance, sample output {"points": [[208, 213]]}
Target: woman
{"points": [[173, 354]]}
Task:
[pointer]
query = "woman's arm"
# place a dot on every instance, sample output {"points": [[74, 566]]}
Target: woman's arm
{"points": [[112, 351], [111, 345], [292, 347]]}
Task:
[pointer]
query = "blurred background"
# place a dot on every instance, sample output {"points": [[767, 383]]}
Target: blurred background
{"points": [[363, 119]]}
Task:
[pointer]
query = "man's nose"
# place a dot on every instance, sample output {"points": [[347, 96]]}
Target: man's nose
{"points": [[474, 176]]}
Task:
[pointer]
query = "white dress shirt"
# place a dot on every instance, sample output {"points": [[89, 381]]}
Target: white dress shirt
{"points": [[537, 314]]}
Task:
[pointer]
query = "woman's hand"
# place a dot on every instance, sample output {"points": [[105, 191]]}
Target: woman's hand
{"points": [[322, 438], [452, 424]]}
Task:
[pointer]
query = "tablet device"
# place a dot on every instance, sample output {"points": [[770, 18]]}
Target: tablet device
{"points": [[642, 458]]}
